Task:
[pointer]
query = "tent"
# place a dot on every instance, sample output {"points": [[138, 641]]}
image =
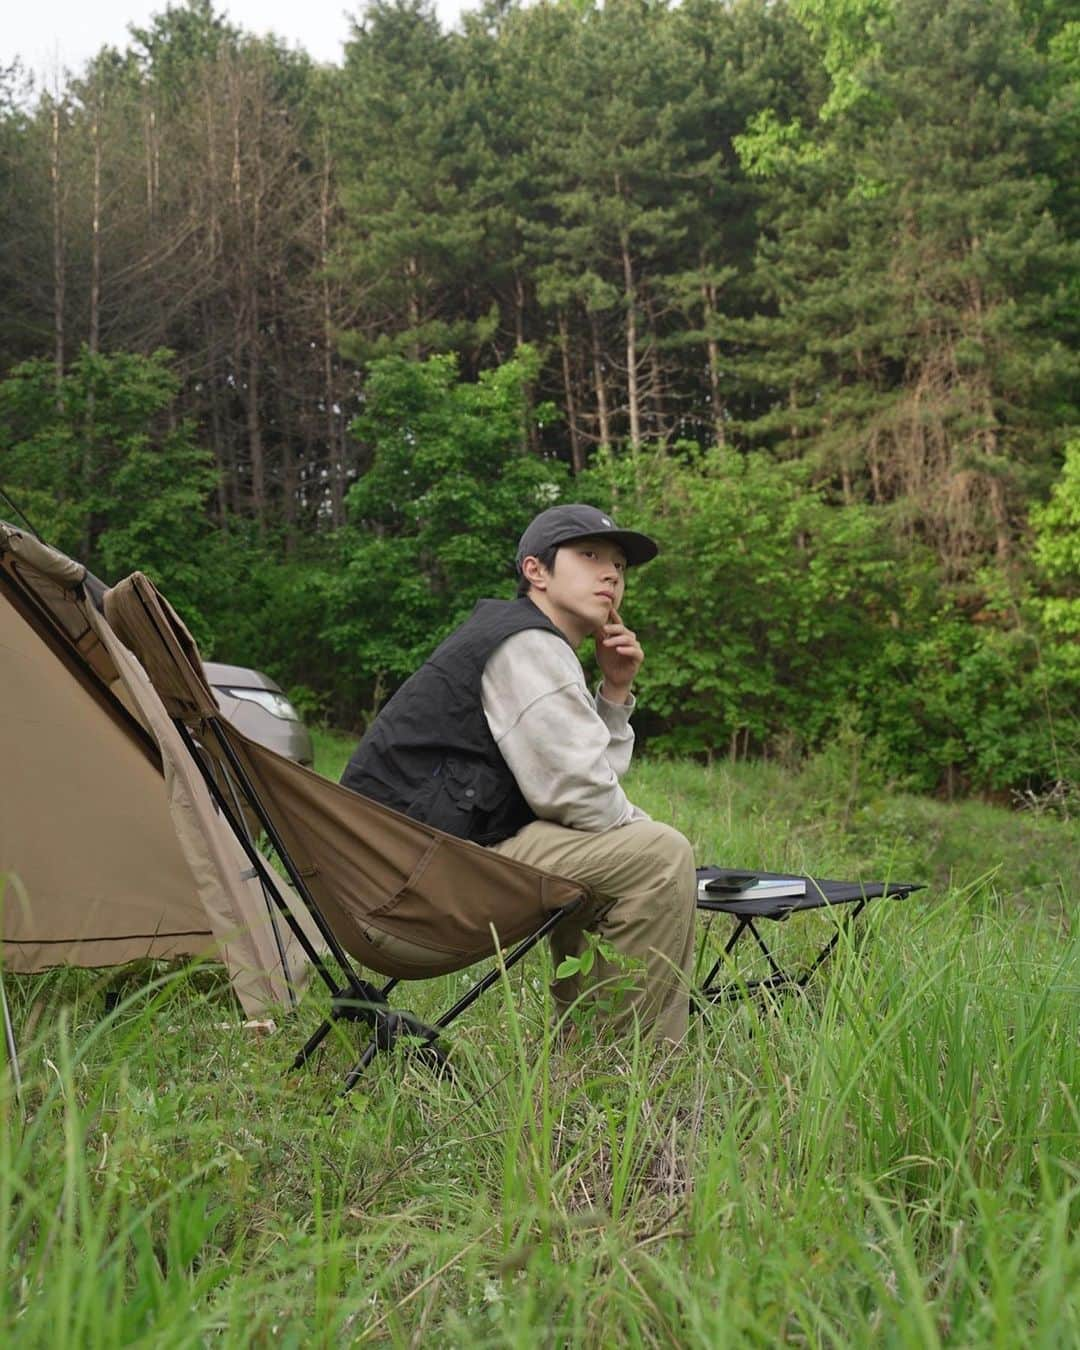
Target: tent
{"points": [[111, 848]]}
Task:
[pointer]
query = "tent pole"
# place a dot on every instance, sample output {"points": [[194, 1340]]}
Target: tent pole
{"points": [[12, 1048], [240, 773]]}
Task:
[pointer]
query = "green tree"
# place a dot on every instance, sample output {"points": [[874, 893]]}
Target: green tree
{"points": [[766, 615], [437, 516], [918, 280], [411, 231], [103, 469]]}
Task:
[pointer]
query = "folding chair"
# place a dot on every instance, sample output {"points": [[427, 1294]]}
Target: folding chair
{"points": [[360, 869], [851, 898]]}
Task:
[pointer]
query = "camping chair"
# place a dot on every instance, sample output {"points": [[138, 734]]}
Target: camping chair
{"points": [[849, 898], [360, 868]]}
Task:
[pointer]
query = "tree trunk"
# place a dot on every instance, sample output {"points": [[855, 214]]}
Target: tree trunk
{"points": [[875, 472], [712, 350], [218, 434], [58, 249], [601, 389], [412, 272], [519, 310], [577, 459], [95, 238], [1000, 513], [656, 372], [254, 425], [289, 476], [630, 299], [336, 463], [152, 164]]}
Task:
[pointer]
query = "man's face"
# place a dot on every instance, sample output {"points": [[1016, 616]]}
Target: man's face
{"points": [[584, 587]]}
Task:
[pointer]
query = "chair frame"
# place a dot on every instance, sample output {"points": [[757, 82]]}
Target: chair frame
{"points": [[355, 999]]}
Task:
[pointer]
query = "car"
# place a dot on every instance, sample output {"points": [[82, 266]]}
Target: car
{"points": [[256, 705]]}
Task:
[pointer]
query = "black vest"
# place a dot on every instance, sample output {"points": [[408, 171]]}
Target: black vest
{"points": [[430, 754]]}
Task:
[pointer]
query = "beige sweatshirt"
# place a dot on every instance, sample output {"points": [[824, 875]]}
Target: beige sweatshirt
{"points": [[566, 748]]}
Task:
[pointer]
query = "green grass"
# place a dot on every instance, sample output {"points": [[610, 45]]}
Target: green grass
{"points": [[893, 1158]]}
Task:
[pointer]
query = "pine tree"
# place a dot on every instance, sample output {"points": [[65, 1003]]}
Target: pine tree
{"points": [[411, 233], [915, 269]]}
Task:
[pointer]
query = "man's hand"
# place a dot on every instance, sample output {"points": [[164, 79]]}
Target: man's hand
{"points": [[619, 656]]}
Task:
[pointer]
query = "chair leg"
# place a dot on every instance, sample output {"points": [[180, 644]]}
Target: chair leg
{"points": [[391, 1025], [520, 951], [312, 1044], [361, 1003], [389, 1028]]}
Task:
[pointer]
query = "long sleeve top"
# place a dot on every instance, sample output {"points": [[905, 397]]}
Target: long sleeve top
{"points": [[566, 748]]}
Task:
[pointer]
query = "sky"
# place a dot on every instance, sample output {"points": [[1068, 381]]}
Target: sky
{"points": [[50, 35]]}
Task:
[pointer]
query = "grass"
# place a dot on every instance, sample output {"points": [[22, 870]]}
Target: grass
{"points": [[893, 1158]]}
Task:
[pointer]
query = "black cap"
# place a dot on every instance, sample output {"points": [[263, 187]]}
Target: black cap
{"points": [[560, 524]]}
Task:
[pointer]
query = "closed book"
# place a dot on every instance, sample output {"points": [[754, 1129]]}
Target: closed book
{"points": [[760, 890]]}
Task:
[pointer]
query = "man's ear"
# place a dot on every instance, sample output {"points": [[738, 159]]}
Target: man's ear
{"points": [[534, 572]]}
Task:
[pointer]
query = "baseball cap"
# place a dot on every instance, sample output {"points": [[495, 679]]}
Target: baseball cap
{"points": [[560, 524]]}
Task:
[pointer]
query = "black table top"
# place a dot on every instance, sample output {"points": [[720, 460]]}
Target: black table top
{"points": [[819, 894]]}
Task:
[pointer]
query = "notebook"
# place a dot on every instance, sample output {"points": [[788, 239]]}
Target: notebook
{"points": [[761, 888]]}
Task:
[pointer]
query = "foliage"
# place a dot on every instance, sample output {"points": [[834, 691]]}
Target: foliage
{"points": [[908, 357], [774, 619], [103, 470], [436, 519], [1057, 548], [766, 605]]}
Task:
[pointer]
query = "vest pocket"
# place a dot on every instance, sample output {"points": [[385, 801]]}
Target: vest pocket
{"points": [[459, 798]]}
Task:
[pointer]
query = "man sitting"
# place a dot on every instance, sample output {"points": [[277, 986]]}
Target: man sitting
{"points": [[497, 739]]}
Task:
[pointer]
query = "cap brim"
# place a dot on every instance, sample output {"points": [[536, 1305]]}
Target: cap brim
{"points": [[639, 548], [542, 535]]}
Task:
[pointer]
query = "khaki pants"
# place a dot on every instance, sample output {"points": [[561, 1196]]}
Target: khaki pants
{"points": [[643, 878], [645, 884]]}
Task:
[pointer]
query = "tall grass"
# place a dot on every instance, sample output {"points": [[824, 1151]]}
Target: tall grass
{"points": [[893, 1157]]}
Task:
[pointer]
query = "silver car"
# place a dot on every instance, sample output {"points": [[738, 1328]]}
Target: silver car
{"points": [[254, 703]]}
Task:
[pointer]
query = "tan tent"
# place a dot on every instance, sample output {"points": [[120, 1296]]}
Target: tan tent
{"points": [[97, 794]]}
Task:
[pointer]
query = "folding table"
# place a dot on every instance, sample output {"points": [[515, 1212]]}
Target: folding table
{"points": [[849, 897]]}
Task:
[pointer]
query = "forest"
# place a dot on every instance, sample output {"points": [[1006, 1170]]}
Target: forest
{"points": [[791, 284]]}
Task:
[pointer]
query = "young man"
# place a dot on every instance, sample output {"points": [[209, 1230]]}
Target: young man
{"points": [[497, 739]]}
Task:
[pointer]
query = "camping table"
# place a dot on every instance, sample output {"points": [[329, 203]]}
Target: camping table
{"points": [[851, 897]]}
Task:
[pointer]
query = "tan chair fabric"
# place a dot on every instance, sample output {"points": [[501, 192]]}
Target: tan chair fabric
{"points": [[145, 622], [367, 867], [96, 874]]}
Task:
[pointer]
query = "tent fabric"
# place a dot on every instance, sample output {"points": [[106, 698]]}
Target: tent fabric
{"points": [[84, 826], [256, 944], [49, 563], [109, 842], [367, 866]]}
